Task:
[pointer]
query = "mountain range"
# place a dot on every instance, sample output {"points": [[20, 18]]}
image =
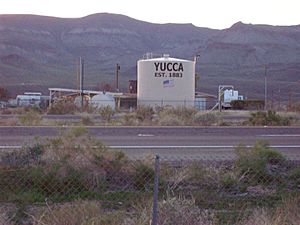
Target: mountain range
{"points": [[38, 52]]}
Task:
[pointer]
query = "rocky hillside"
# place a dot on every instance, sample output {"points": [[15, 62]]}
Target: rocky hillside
{"points": [[38, 52]]}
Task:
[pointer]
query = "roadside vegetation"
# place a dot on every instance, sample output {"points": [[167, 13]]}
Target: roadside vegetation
{"points": [[74, 179], [144, 116], [269, 118]]}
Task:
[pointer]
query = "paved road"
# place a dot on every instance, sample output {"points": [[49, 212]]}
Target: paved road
{"points": [[174, 142]]}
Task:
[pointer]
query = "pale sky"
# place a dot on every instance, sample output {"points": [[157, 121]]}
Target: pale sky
{"points": [[217, 14]]}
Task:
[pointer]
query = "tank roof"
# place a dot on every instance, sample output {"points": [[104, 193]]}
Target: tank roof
{"points": [[166, 59]]}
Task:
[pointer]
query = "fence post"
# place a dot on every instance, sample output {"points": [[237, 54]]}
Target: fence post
{"points": [[155, 192]]}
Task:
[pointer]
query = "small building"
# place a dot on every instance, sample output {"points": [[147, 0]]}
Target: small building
{"points": [[230, 95], [204, 101], [33, 99], [132, 87]]}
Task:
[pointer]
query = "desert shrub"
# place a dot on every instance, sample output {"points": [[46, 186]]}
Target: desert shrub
{"points": [[269, 118], [106, 113], [197, 173], [31, 117], [295, 107], [247, 104], [170, 120], [294, 176], [238, 104], [143, 177], [26, 156], [205, 176], [228, 181], [54, 183], [9, 122], [172, 210], [130, 119], [17, 110], [78, 213], [144, 113], [35, 183], [76, 148], [183, 112], [63, 168], [62, 107], [6, 111], [86, 120], [285, 213], [176, 114], [206, 119], [252, 163]]}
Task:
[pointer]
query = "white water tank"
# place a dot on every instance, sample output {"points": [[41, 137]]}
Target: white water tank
{"points": [[103, 100], [166, 81]]}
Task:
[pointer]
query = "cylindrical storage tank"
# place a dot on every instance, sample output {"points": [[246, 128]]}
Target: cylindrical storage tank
{"points": [[103, 100], [166, 81]]}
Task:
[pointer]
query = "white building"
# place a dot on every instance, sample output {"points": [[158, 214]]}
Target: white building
{"points": [[231, 95], [29, 99]]}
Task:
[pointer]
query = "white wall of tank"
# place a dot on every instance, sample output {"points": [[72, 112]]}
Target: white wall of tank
{"points": [[97, 101], [166, 81], [103, 100]]}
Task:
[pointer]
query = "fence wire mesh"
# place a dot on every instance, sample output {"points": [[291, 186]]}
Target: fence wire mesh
{"points": [[67, 181]]}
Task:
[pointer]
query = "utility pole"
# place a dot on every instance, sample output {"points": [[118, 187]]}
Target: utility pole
{"points": [[81, 72], [265, 106], [117, 76], [197, 77], [196, 58]]}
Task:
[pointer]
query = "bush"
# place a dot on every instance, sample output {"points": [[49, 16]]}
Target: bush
{"points": [[238, 104], [143, 177], [144, 113], [170, 120], [87, 120], [62, 168], [286, 213], [252, 163], [106, 113], [179, 115], [28, 155], [247, 104], [206, 119], [294, 176], [62, 107], [78, 213], [269, 118], [31, 117], [295, 107], [172, 210], [130, 119]]}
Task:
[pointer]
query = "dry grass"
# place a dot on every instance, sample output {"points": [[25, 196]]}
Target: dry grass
{"points": [[78, 213], [9, 122], [79, 151], [6, 214], [175, 211], [287, 213], [176, 116]]}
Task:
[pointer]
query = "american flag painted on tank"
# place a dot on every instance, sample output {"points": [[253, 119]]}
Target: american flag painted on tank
{"points": [[168, 83]]}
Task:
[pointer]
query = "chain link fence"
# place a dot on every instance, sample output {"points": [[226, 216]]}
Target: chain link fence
{"points": [[73, 180]]}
